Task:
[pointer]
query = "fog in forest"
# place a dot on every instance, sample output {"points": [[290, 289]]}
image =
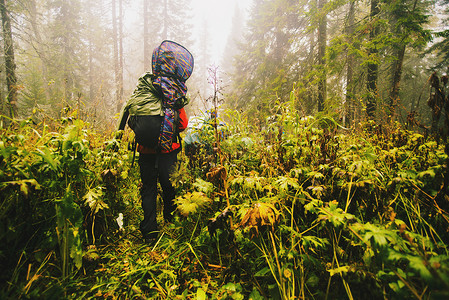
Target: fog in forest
{"points": [[312, 161], [352, 59]]}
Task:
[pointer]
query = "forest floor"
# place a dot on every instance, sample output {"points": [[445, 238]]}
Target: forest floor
{"points": [[301, 210]]}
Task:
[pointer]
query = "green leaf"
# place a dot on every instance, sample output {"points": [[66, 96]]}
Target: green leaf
{"points": [[76, 249], [262, 272], [285, 183], [313, 280], [48, 157], [430, 174], [343, 269], [192, 202], [255, 295], [203, 186], [419, 264], [24, 185], [309, 241], [93, 199], [378, 235], [200, 294]]}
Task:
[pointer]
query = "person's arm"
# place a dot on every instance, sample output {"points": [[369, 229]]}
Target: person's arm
{"points": [[183, 121], [123, 118]]}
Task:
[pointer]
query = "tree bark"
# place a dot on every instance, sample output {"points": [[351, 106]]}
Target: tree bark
{"points": [[322, 37], [373, 70], [40, 49], [397, 73], [310, 90], [68, 80], [120, 62], [10, 66], [115, 33], [350, 104]]}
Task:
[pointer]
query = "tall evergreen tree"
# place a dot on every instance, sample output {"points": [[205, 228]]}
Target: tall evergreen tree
{"points": [[232, 48], [203, 62], [322, 40], [170, 21], [442, 45], [37, 42], [408, 19], [98, 38], [350, 66], [264, 63], [117, 25], [10, 65], [373, 69], [67, 57]]}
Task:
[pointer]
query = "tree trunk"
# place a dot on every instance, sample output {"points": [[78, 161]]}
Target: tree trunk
{"points": [[10, 66], [120, 62], [371, 83], [322, 37], [310, 90], [146, 29], [67, 54], [39, 47], [115, 54], [397, 72], [350, 103]]}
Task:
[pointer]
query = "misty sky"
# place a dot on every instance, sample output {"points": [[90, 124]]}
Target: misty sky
{"points": [[218, 15]]}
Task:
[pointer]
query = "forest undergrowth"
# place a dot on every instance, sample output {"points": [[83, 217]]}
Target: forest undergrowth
{"points": [[298, 208]]}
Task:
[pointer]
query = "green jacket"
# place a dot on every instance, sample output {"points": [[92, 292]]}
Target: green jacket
{"points": [[145, 101]]}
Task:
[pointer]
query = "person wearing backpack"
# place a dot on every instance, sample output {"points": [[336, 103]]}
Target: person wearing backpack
{"points": [[155, 112]]}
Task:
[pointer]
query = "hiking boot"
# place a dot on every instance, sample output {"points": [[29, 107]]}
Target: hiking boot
{"points": [[168, 217], [150, 238], [150, 241]]}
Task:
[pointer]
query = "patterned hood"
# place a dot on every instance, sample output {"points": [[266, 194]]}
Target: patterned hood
{"points": [[172, 65]]}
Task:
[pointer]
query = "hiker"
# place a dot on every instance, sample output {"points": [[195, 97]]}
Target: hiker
{"points": [[200, 133], [155, 112]]}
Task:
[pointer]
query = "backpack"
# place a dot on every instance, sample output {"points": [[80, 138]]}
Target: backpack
{"points": [[172, 65], [154, 121]]}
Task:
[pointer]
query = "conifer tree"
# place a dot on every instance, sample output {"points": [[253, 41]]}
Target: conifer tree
{"points": [[168, 21], [117, 24], [98, 43], [373, 70], [10, 65], [203, 62], [350, 62], [67, 58], [263, 75], [232, 48], [408, 19], [322, 40], [442, 44]]}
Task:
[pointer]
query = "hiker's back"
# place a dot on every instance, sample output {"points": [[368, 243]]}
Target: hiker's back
{"points": [[145, 101]]}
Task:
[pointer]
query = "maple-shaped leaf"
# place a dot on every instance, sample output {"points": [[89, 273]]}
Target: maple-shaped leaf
{"points": [[93, 198], [203, 186], [192, 202], [259, 215]]}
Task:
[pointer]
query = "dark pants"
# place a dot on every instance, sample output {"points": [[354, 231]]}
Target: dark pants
{"points": [[152, 168]]}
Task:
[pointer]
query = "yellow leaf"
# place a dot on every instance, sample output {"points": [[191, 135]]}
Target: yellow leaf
{"points": [[259, 215]]}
